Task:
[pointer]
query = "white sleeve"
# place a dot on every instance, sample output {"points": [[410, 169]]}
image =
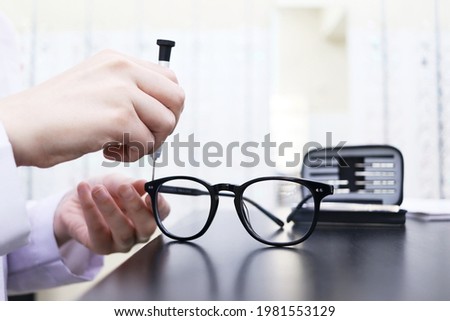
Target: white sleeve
{"points": [[13, 215], [34, 260], [14, 225], [41, 264], [13, 219]]}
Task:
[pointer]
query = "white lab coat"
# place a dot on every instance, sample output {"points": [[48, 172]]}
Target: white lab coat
{"points": [[29, 256]]}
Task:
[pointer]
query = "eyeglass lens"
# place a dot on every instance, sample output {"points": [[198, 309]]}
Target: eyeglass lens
{"points": [[189, 202], [280, 198]]}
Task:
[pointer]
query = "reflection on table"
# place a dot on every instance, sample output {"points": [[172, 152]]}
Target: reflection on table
{"points": [[336, 263]]}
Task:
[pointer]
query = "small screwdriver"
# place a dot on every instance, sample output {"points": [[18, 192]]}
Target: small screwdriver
{"points": [[165, 49]]}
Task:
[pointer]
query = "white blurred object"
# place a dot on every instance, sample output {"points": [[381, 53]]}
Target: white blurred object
{"points": [[428, 209]]}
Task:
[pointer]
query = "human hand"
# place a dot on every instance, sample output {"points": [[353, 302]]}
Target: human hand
{"points": [[90, 107], [107, 215]]}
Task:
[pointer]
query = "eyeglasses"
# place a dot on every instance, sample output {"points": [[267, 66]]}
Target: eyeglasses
{"points": [[277, 211]]}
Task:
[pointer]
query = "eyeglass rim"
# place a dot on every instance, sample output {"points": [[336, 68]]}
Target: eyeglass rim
{"points": [[327, 189], [153, 192], [311, 185], [318, 189]]}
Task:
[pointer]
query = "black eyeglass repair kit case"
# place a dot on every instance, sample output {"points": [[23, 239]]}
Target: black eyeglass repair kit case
{"points": [[368, 182]]}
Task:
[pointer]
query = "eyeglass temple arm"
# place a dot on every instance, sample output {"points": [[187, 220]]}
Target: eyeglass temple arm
{"points": [[197, 192], [262, 209], [298, 207], [181, 190]]}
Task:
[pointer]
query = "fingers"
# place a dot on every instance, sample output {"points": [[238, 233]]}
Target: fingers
{"points": [[163, 207], [100, 238], [139, 186], [156, 116], [160, 87], [155, 67], [156, 104], [137, 212], [140, 211], [122, 230], [117, 217], [155, 81], [161, 101]]}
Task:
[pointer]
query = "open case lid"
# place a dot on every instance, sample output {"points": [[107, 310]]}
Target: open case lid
{"points": [[369, 174]]}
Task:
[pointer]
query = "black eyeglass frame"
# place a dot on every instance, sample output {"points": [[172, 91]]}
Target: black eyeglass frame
{"points": [[318, 191]]}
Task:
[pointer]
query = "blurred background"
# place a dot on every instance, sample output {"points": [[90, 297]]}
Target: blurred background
{"points": [[368, 72]]}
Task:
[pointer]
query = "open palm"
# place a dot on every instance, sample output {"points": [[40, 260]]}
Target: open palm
{"points": [[107, 214]]}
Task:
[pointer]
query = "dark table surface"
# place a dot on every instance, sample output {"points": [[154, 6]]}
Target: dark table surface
{"points": [[335, 263]]}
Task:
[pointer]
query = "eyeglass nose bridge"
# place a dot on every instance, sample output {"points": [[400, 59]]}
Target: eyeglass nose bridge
{"points": [[225, 187]]}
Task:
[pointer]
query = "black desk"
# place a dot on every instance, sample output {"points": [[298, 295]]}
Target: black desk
{"points": [[336, 263]]}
